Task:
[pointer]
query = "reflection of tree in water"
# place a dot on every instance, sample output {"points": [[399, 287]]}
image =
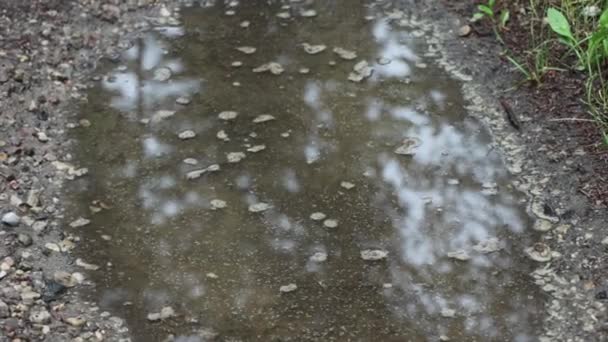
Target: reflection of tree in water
{"points": [[171, 240]]}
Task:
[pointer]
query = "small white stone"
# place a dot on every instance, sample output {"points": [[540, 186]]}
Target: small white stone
{"points": [[218, 204], [347, 185], [541, 225], [313, 49], [318, 257], [256, 148], [245, 24], [330, 223], [448, 313], [228, 115], [190, 161], [288, 288], [345, 54], [212, 275], [318, 216], [237, 64], [80, 222], [188, 134], [222, 135], [259, 207], [461, 255], [42, 137], [408, 147], [235, 157], [373, 254], [11, 219], [248, 50], [273, 67], [309, 13], [263, 118]]}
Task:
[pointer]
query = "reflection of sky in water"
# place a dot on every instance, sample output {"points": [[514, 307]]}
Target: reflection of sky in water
{"points": [[135, 86], [433, 200]]}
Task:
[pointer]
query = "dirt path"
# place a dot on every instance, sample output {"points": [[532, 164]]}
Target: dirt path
{"points": [[48, 52]]}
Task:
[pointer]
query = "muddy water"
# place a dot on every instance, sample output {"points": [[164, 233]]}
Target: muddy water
{"points": [[165, 240]]}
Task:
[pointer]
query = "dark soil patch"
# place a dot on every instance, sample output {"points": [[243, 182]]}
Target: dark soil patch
{"points": [[558, 100]]}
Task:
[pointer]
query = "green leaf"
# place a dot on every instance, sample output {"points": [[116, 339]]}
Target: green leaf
{"points": [[604, 19], [504, 18], [477, 16], [486, 10], [559, 24], [491, 3]]}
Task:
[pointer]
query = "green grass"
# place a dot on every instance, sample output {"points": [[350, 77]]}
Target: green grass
{"points": [[564, 35]]}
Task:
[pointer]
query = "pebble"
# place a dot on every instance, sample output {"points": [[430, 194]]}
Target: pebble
{"points": [[161, 115], [263, 118], [361, 71], [222, 135], [408, 147], [309, 13], [347, 185], [345, 54], [245, 24], [313, 49], [542, 225], [283, 15], [188, 134], [248, 50], [162, 74], [79, 222], [235, 157], [75, 321], [211, 275], [318, 216], [42, 137], [40, 316], [85, 265], [183, 100], [273, 67], [539, 252], [259, 207], [464, 30], [237, 64], [304, 71], [197, 173], [288, 288], [256, 148], [24, 239], [373, 254], [490, 245], [11, 219], [165, 313], [228, 115], [218, 204], [318, 257], [330, 223], [448, 313], [190, 161], [461, 255]]}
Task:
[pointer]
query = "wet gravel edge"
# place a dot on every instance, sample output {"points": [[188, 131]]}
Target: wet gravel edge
{"points": [[48, 52], [548, 166]]}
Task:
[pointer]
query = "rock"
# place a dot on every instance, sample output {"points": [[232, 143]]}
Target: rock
{"points": [[345, 54], [464, 30], [4, 310], [11, 219], [318, 257], [161, 115], [490, 245], [542, 225], [68, 280], [274, 68], [256, 148], [245, 24], [313, 49], [29, 296], [259, 207], [347, 185], [52, 247], [42, 137], [190, 161], [75, 321], [248, 50], [304, 71], [373, 254], [228, 115], [448, 313], [86, 266], [80, 222], [539, 252], [408, 147], [218, 204], [288, 288], [183, 100], [165, 313], [283, 15], [330, 223], [187, 134], [211, 275], [308, 13], [361, 71], [235, 157], [237, 64], [263, 118], [24, 239], [197, 173], [461, 255], [318, 216], [605, 241], [162, 74], [40, 316]]}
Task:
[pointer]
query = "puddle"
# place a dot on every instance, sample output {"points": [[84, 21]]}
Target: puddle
{"points": [[326, 185]]}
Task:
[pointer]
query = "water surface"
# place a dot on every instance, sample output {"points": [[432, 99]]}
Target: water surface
{"points": [[168, 241]]}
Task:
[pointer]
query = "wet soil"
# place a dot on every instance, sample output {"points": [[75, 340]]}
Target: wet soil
{"points": [[446, 213]]}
